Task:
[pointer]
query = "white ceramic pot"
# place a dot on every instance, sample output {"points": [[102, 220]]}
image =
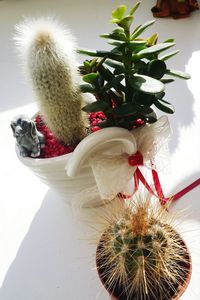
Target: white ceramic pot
{"points": [[71, 174]]}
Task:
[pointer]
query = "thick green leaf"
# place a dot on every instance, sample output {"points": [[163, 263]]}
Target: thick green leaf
{"points": [[167, 80], [125, 110], [99, 53], [179, 74], [156, 68], [168, 55], [113, 64], [113, 83], [146, 84], [145, 99], [140, 29], [140, 67], [151, 118], [155, 49], [87, 88], [118, 67], [105, 73], [118, 30], [127, 119], [117, 44], [119, 12], [120, 88], [90, 78], [127, 124], [136, 45], [169, 41], [164, 106], [160, 95], [92, 53], [96, 106], [101, 81], [126, 22], [119, 71], [144, 109], [134, 8], [114, 36], [117, 51], [152, 40], [87, 64], [117, 97]]}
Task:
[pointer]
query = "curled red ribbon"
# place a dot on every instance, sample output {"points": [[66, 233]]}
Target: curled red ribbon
{"points": [[137, 160]]}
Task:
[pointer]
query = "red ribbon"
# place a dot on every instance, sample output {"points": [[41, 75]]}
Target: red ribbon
{"points": [[136, 160]]}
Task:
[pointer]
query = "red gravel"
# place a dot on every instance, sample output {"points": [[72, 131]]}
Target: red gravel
{"points": [[55, 148]]}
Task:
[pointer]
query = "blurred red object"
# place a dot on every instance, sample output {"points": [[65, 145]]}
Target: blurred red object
{"points": [[174, 8]]}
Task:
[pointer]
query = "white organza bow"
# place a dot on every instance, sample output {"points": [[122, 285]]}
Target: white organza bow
{"points": [[112, 172]]}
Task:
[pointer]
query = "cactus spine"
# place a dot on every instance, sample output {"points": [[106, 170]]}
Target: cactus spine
{"points": [[142, 254], [47, 51]]}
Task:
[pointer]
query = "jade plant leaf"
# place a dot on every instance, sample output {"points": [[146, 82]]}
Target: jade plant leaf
{"points": [[142, 98], [126, 22], [136, 45], [157, 69], [119, 12], [146, 110], [134, 8], [152, 40], [167, 80], [140, 67], [96, 106], [146, 84], [90, 78], [105, 73], [164, 106], [114, 36], [155, 49], [99, 53], [140, 29], [171, 40], [179, 74], [169, 55], [125, 109], [113, 83], [118, 67], [87, 88], [114, 65], [151, 118]]}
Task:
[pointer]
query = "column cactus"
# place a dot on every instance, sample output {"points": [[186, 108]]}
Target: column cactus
{"points": [[141, 256], [48, 54]]}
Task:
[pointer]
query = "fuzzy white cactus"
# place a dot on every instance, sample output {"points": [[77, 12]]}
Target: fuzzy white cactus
{"points": [[47, 49]]}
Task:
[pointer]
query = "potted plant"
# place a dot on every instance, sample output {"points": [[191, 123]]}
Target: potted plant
{"points": [[141, 256], [127, 81], [174, 8]]}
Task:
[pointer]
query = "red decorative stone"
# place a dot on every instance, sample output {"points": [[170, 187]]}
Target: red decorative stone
{"points": [[54, 148]]}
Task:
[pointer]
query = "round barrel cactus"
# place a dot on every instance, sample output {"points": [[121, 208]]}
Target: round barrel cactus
{"points": [[141, 256]]}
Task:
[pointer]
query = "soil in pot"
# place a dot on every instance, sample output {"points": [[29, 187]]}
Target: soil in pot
{"points": [[164, 290]]}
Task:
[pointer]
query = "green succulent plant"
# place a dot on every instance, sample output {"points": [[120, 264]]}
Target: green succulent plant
{"points": [[129, 80], [141, 256]]}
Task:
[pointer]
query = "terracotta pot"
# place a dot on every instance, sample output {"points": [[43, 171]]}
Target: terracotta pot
{"points": [[179, 292], [71, 174]]}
